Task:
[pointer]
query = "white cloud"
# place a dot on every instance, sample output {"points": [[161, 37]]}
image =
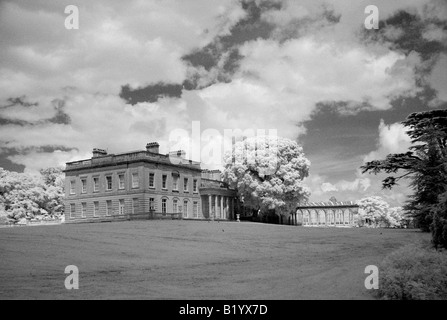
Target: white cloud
{"points": [[34, 161], [99, 120], [392, 139], [438, 80], [328, 187], [141, 42], [279, 85], [136, 43]]}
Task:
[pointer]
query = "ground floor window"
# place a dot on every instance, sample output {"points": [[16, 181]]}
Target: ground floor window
{"points": [[72, 210], [163, 206], [95, 208], [109, 207], [195, 209], [175, 205], [151, 204], [135, 205], [185, 209], [121, 206], [83, 209]]}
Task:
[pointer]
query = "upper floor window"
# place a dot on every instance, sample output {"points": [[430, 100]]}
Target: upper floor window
{"points": [[185, 184], [109, 182], [194, 185], [163, 181], [95, 184], [72, 187], [175, 183], [151, 180], [121, 181], [135, 180], [84, 185]]}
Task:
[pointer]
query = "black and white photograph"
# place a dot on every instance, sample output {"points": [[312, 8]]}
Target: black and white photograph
{"points": [[224, 155]]}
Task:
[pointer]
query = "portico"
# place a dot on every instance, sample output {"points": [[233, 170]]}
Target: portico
{"points": [[217, 204]]}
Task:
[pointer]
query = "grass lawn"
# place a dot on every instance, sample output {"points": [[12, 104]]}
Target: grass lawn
{"points": [[193, 260]]}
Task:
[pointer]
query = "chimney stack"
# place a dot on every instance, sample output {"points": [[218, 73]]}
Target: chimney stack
{"points": [[178, 153], [153, 147], [99, 152]]}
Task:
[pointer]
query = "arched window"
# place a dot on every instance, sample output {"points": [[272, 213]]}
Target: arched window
{"points": [[175, 205]]}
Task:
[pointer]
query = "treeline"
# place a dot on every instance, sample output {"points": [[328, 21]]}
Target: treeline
{"points": [[425, 165], [375, 212], [28, 196]]}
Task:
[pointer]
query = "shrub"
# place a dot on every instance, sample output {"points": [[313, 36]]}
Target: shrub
{"points": [[414, 272]]}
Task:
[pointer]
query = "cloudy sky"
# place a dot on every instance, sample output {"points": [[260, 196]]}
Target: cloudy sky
{"points": [[135, 71]]}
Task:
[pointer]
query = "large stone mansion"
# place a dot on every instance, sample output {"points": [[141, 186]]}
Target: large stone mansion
{"points": [[144, 184]]}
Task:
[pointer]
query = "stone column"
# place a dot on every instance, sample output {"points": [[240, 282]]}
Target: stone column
{"points": [[215, 206], [222, 215], [210, 213], [227, 207]]}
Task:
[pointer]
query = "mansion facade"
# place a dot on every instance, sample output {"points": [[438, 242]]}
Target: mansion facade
{"points": [[143, 185]]}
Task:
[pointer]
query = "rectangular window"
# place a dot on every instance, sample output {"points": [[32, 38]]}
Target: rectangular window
{"points": [[185, 184], [121, 206], [185, 209], [174, 205], [72, 187], [152, 204], [135, 180], [163, 182], [72, 210], [83, 209], [175, 183], [84, 185], [95, 184], [195, 209], [109, 182], [194, 185], [95, 208], [121, 181], [135, 205], [163, 206], [151, 180], [109, 207]]}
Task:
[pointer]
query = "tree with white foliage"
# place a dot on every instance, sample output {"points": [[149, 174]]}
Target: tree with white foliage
{"points": [[26, 196], [376, 212], [372, 211], [397, 218], [268, 173]]}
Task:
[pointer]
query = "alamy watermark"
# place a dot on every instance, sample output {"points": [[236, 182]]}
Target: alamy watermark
{"points": [[72, 20], [372, 20], [72, 280], [372, 280], [211, 146]]}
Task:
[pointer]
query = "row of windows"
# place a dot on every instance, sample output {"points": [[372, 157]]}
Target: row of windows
{"points": [[135, 183], [176, 207]]}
